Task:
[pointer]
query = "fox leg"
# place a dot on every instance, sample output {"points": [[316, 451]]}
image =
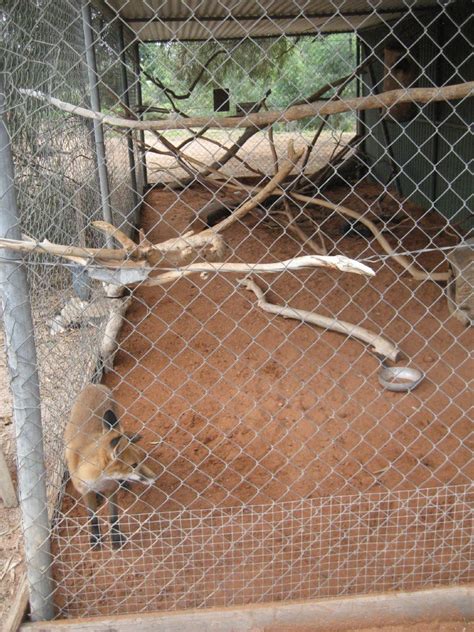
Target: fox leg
{"points": [[91, 502], [118, 539]]}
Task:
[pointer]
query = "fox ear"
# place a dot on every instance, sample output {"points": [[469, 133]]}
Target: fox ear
{"points": [[110, 419]]}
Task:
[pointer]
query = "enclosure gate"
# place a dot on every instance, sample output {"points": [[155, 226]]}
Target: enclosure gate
{"points": [[252, 223]]}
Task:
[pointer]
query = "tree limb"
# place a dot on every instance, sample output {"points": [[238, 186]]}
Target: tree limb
{"points": [[285, 168], [127, 244], [404, 261], [176, 251], [337, 262], [381, 346], [293, 227], [409, 266], [264, 119]]}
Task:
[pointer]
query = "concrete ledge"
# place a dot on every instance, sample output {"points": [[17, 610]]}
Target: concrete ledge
{"points": [[454, 603]]}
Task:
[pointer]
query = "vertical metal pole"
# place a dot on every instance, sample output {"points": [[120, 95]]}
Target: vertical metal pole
{"points": [[23, 367], [95, 105], [140, 103], [126, 100]]}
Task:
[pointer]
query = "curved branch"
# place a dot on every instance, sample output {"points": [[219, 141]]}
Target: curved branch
{"points": [[166, 92], [194, 83], [409, 266], [381, 346], [263, 193]]}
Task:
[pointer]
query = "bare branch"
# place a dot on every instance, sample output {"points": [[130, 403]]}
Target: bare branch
{"points": [[176, 251], [381, 346], [263, 193], [293, 227], [128, 244], [337, 262], [409, 266], [264, 119]]}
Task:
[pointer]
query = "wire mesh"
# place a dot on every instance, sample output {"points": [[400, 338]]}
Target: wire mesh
{"points": [[305, 549], [284, 470]]}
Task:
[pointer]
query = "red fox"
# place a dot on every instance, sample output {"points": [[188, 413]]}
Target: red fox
{"points": [[100, 457]]}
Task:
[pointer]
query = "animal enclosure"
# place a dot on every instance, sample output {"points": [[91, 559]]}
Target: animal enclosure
{"points": [[246, 281]]}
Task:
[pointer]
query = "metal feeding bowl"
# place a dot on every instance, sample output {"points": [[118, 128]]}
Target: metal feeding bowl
{"points": [[400, 378]]}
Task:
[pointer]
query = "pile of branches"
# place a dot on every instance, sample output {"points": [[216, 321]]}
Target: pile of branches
{"points": [[286, 191], [203, 251]]}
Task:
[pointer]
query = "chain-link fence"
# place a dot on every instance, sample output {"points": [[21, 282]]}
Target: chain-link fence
{"points": [[304, 431]]}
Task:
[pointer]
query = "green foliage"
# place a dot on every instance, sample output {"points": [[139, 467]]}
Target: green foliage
{"points": [[293, 68]]}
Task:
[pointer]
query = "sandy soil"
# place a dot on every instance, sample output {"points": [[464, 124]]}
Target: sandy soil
{"points": [[238, 407]]}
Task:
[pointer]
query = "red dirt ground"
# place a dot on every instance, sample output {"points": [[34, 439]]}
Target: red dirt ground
{"points": [[239, 406]]}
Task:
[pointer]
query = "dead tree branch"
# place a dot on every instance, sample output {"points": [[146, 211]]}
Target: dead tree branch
{"points": [[263, 193], [409, 266], [337, 262], [381, 346], [264, 119], [293, 227], [176, 251], [178, 150]]}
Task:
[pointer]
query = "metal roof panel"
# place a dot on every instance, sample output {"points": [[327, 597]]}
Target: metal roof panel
{"points": [[155, 20]]}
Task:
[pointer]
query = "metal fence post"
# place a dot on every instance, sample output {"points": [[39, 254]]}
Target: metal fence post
{"points": [[23, 367], [126, 100], [95, 105], [138, 72]]}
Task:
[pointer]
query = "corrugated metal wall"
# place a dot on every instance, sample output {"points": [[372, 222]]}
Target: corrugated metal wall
{"points": [[434, 149]]}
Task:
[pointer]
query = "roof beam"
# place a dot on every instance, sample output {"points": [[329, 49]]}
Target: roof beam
{"points": [[265, 16]]}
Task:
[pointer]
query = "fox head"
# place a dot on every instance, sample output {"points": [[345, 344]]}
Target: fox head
{"points": [[125, 460]]}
